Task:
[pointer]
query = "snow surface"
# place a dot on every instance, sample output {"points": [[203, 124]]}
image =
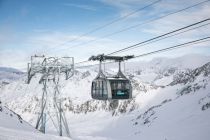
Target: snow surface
{"points": [[15, 134]]}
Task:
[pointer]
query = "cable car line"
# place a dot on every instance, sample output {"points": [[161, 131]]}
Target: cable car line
{"points": [[108, 24], [176, 46], [198, 41], [160, 37], [137, 25], [169, 36]]}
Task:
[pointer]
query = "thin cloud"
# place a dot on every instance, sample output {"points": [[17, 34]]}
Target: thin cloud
{"points": [[127, 6], [179, 20], [123, 3], [81, 6]]}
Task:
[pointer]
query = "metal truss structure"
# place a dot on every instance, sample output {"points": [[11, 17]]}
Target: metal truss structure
{"points": [[51, 69]]}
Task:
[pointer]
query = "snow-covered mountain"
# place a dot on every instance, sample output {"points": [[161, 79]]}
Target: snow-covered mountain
{"points": [[171, 101], [8, 75]]}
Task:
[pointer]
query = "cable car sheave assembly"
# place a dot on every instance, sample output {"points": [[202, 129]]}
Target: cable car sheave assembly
{"points": [[111, 88]]}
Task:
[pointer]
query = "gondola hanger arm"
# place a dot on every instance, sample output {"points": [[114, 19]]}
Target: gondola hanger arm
{"points": [[102, 57]]}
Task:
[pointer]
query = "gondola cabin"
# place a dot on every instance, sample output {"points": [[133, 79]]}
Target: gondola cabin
{"points": [[111, 88], [117, 87]]}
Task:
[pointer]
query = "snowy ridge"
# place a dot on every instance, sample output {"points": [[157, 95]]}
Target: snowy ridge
{"points": [[171, 101]]}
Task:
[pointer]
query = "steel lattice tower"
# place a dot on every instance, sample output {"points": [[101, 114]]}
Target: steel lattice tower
{"points": [[51, 69]]}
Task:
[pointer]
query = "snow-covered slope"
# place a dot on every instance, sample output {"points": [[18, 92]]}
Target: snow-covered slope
{"points": [[14, 134], [10, 119], [171, 101], [13, 127]]}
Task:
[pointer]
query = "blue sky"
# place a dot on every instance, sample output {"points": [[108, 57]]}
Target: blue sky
{"points": [[29, 27]]}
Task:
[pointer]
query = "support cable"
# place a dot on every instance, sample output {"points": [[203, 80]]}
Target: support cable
{"points": [[174, 31], [198, 41], [160, 37]]}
